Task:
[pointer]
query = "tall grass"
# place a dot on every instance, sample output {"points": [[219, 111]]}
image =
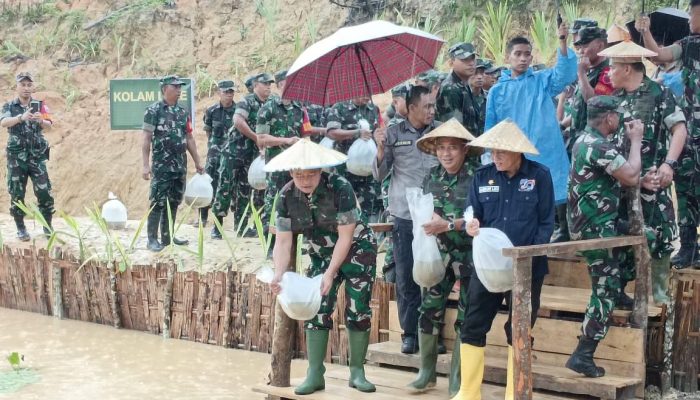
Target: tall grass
{"points": [[464, 30], [495, 27], [543, 35], [570, 10], [206, 84], [269, 10]]}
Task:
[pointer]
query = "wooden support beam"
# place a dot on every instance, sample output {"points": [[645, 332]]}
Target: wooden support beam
{"points": [[522, 344], [168, 300], [114, 296], [554, 249]]}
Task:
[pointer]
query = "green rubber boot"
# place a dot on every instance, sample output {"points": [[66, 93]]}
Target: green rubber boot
{"points": [[358, 342], [455, 370], [316, 345], [426, 379]]}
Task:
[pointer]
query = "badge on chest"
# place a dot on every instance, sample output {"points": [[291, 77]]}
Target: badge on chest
{"points": [[526, 185]]}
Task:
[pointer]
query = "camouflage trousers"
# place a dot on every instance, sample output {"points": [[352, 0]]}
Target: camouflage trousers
{"points": [[610, 270], [167, 188], [358, 272], [368, 192], [688, 188], [233, 191], [19, 169], [434, 303]]}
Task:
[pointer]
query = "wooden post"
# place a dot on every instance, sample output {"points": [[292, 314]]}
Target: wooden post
{"points": [[228, 305], [57, 284], [669, 323], [167, 301], [283, 338], [521, 327], [114, 303]]}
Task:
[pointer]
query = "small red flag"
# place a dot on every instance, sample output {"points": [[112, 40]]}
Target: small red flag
{"points": [[306, 125]]}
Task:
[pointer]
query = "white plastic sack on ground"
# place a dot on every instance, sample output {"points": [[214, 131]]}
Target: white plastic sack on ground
{"points": [[327, 142], [256, 174], [114, 212], [494, 270], [361, 156], [428, 267], [199, 191], [301, 296]]}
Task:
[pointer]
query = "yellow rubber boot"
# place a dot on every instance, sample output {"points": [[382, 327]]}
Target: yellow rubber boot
{"points": [[509, 375], [472, 358]]}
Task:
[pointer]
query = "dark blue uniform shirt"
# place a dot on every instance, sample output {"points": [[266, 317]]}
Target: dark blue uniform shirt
{"points": [[522, 206]]}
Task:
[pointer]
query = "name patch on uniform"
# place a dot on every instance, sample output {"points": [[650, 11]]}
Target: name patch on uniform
{"points": [[526, 185], [489, 189], [403, 143]]}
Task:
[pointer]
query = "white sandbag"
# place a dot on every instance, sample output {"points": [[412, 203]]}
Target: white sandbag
{"points": [[327, 142], [300, 297], [114, 212], [428, 267], [256, 174], [495, 271], [199, 192], [361, 156]]}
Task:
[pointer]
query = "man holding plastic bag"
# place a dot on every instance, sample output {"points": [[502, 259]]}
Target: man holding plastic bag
{"points": [[449, 185], [324, 208], [515, 195]]}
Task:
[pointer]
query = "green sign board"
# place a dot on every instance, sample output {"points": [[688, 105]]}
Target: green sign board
{"points": [[128, 99]]}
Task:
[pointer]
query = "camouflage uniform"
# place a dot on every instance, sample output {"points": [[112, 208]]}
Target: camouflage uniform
{"points": [[27, 153], [278, 119], [317, 216], [656, 107], [317, 117], [237, 155], [600, 81], [450, 194], [346, 115], [455, 100], [217, 123], [593, 212]]}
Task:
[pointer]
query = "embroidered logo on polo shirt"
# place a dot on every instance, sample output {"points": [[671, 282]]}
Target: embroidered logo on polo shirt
{"points": [[403, 143], [526, 185], [489, 189]]}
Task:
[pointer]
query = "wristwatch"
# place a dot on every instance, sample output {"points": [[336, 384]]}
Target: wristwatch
{"points": [[451, 225], [672, 163]]}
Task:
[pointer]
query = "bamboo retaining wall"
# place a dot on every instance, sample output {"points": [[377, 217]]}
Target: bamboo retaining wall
{"points": [[224, 308]]}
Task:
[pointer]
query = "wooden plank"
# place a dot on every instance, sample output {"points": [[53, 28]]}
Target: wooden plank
{"points": [[380, 227], [521, 324], [553, 249]]}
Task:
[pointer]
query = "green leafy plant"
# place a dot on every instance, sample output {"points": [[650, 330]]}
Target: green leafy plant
{"points": [[206, 84], [571, 11], [10, 49], [256, 215], [15, 359], [495, 29], [231, 244], [544, 36], [114, 250], [269, 10], [312, 29], [464, 30], [135, 238]]}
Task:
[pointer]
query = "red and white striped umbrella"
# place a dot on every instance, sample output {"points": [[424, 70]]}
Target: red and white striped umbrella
{"points": [[360, 61]]}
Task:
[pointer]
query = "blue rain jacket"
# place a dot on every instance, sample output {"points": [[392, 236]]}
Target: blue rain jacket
{"points": [[527, 100]]}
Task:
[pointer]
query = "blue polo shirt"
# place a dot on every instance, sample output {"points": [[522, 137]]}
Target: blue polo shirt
{"points": [[522, 206]]}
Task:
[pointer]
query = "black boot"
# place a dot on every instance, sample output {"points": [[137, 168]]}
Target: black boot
{"points": [[165, 227], [624, 302], [22, 233], [204, 215], [561, 234], [581, 360], [688, 253], [152, 229], [215, 233], [48, 217]]}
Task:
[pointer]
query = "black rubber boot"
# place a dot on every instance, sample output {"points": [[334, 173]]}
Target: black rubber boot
{"points": [[48, 217], [624, 302], [204, 215], [687, 255], [215, 234], [22, 233], [581, 360], [165, 227], [561, 234], [152, 228]]}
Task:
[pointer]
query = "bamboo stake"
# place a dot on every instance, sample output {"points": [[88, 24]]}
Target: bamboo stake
{"points": [[114, 298], [57, 284], [521, 324], [167, 301], [228, 302], [668, 329]]}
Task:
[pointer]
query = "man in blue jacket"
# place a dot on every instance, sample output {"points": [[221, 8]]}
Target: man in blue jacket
{"points": [[526, 98]]}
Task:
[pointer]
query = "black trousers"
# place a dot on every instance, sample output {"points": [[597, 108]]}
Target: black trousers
{"points": [[483, 306], [408, 295]]}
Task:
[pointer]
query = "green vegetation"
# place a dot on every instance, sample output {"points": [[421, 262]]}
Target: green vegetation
{"points": [[543, 32], [495, 30]]}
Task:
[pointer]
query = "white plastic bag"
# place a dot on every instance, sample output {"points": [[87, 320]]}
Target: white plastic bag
{"points": [[199, 191], [327, 142], [300, 297], [494, 270], [428, 267], [361, 156], [114, 212], [256, 174]]}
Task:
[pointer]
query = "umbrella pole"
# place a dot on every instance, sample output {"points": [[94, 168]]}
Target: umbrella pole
{"points": [[362, 68]]}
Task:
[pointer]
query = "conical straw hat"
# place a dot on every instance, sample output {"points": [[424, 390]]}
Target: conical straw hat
{"points": [[451, 129], [505, 136], [616, 33], [627, 52], [305, 154]]}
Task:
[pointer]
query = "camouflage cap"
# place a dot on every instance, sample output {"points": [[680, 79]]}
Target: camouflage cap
{"points": [[494, 70], [400, 90], [581, 23], [280, 75], [264, 78], [442, 76], [600, 105], [227, 85], [462, 50], [172, 80], [589, 34], [483, 64], [24, 75], [249, 83], [430, 76]]}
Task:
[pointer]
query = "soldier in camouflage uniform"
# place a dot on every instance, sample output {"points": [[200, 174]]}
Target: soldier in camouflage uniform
{"points": [[342, 247], [687, 179], [432, 80], [249, 83], [27, 152], [449, 184], [598, 169], [664, 138], [455, 98], [579, 24], [167, 129], [343, 127], [218, 120], [476, 84], [239, 152]]}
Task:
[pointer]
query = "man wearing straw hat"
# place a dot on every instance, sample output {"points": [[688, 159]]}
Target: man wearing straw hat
{"points": [[664, 139], [515, 195], [686, 50], [449, 184], [598, 169], [342, 248]]}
